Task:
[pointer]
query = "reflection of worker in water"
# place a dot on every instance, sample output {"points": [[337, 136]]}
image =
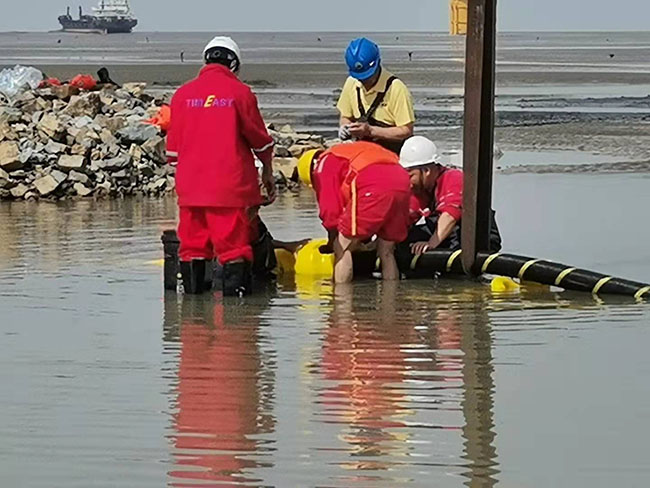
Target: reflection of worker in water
{"points": [[368, 358], [219, 405], [437, 199], [364, 362], [374, 105], [362, 192]]}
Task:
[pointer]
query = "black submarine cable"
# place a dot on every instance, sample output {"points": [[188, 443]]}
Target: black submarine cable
{"points": [[527, 269], [448, 261]]}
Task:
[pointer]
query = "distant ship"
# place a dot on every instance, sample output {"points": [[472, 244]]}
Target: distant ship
{"points": [[109, 17]]}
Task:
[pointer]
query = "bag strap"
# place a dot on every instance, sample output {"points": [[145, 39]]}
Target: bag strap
{"points": [[367, 115]]}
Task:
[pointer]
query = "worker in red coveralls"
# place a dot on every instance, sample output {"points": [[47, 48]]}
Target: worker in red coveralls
{"points": [[437, 200], [362, 192], [216, 127]]}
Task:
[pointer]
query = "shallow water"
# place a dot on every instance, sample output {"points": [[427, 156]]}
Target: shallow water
{"points": [[107, 381]]}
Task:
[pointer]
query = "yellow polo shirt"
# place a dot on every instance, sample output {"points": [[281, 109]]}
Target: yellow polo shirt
{"points": [[396, 110]]}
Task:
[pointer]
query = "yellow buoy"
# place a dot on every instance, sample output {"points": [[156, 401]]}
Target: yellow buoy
{"points": [[311, 262], [501, 284]]}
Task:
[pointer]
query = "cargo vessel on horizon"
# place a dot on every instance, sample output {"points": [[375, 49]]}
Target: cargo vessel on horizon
{"points": [[109, 17]]}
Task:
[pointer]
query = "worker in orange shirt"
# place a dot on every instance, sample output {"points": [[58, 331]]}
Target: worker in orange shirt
{"points": [[374, 105], [362, 192], [216, 126]]}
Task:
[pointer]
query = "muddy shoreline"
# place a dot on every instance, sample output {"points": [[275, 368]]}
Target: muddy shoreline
{"points": [[593, 112]]}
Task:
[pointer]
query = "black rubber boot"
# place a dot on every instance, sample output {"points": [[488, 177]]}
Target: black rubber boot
{"points": [[193, 274], [237, 279]]}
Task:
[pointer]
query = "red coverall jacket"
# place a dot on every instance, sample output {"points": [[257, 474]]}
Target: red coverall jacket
{"points": [[215, 124]]}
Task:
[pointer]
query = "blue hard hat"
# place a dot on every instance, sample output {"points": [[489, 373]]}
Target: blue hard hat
{"points": [[363, 58]]}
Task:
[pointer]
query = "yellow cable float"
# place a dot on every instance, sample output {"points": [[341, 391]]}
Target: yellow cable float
{"points": [[503, 284], [311, 262]]}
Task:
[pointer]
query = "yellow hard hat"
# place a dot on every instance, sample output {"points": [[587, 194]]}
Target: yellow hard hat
{"points": [[311, 262], [304, 165]]}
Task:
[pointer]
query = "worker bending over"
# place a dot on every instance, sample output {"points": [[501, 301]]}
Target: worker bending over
{"points": [[362, 192], [215, 128], [436, 201], [374, 105]]}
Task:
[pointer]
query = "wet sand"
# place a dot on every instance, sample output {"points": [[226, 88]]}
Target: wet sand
{"points": [[332, 75]]}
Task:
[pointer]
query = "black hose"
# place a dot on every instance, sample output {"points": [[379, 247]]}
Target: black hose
{"points": [[448, 261], [525, 268]]}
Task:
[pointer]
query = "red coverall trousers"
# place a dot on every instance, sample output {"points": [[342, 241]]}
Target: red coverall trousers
{"points": [[214, 232]]}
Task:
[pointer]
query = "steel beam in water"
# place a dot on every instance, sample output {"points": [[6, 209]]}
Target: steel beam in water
{"points": [[478, 138]]}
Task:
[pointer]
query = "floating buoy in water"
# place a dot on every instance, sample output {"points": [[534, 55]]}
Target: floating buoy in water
{"points": [[501, 284], [311, 262]]}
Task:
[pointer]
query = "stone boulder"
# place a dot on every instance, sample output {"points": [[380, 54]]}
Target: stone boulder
{"points": [[10, 156], [138, 133], [53, 147], [286, 165], [64, 92], [81, 189], [155, 148], [49, 183], [19, 191], [134, 89], [74, 162], [7, 133], [50, 126], [88, 104]]}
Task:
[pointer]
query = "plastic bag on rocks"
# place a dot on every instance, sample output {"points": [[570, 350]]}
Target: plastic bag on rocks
{"points": [[19, 78]]}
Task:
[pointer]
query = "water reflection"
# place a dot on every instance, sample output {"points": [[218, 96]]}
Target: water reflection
{"points": [[370, 386], [224, 393], [57, 236], [404, 388]]}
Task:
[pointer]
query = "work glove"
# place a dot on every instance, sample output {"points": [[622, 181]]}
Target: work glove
{"points": [[344, 133]]}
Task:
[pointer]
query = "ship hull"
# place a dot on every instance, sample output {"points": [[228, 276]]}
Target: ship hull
{"points": [[90, 24]]}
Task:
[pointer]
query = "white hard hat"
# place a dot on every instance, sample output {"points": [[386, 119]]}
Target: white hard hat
{"points": [[418, 151], [224, 42]]}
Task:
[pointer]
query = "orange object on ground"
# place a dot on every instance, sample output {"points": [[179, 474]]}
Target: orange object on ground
{"points": [[84, 82], [162, 119], [50, 82]]}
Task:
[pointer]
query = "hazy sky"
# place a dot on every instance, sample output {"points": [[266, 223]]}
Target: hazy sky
{"points": [[341, 15]]}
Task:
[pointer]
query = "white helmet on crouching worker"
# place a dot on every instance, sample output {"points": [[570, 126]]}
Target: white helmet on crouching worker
{"points": [[418, 152], [223, 50]]}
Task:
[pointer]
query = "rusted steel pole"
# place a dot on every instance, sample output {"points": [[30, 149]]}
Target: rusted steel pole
{"points": [[478, 130]]}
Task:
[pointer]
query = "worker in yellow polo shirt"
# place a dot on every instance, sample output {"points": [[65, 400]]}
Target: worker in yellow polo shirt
{"points": [[374, 105]]}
